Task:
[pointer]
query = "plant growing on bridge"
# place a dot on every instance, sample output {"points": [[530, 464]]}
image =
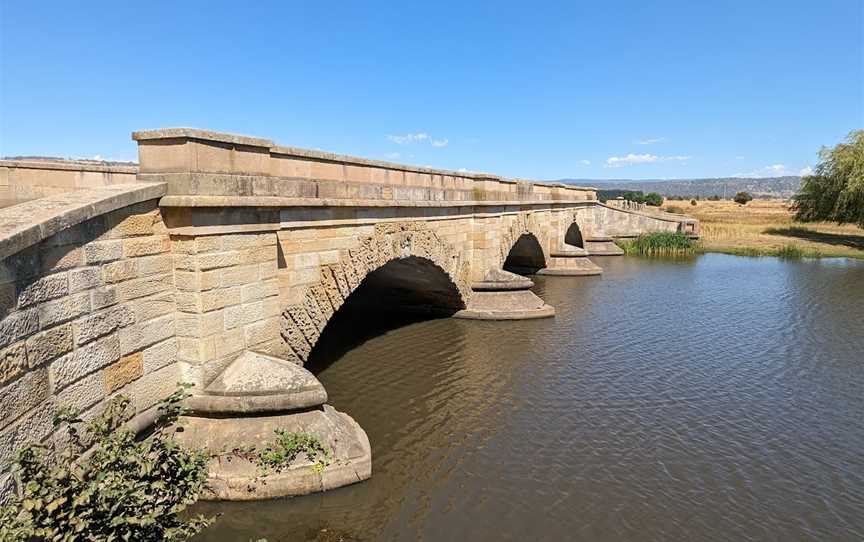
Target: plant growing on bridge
{"points": [[659, 244], [121, 488], [279, 454]]}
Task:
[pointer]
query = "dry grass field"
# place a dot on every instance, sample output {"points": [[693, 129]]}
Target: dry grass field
{"points": [[765, 227]]}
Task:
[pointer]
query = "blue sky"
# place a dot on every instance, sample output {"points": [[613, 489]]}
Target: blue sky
{"points": [[578, 89]]}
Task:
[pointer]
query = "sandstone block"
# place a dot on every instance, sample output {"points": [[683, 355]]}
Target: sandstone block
{"points": [[18, 325], [33, 427], [136, 224], [61, 258], [102, 323], [49, 344], [263, 331], [125, 370], [63, 309], [103, 297], [235, 276], [160, 355], [200, 325], [103, 251], [145, 246], [153, 307], [43, 289], [154, 284], [120, 270], [220, 298], [13, 362], [219, 259], [208, 243], [85, 360], [239, 315], [22, 395], [84, 279], [84, 393], [151, 265], [259, 290], [144, 334], [240, 241], [154, 387]]}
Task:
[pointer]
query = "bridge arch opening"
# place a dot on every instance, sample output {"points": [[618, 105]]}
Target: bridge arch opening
{"points": [[573, 236], [526, 256], [401, 292]]}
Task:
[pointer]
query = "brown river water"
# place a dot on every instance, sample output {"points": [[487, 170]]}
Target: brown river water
{"points": [[719, 398]]}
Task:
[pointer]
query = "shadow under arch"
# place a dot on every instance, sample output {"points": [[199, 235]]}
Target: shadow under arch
{"points": [[401, 292], [526, 255], [573, 236]]}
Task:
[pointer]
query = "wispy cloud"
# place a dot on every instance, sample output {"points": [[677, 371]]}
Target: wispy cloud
{"points": [[585, 162], [650, 140], [806, 170], [774, 170], [393, 156], [635, 159], [419, 137], [408, 138]]}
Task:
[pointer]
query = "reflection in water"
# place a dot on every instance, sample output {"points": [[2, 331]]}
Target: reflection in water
{"points": [[718, 398]]}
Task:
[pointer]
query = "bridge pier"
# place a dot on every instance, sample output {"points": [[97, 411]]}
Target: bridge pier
{"points": [[570, 261], [502, 295]]}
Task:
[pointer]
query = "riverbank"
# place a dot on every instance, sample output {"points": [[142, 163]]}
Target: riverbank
{"points": [[766, 228]]}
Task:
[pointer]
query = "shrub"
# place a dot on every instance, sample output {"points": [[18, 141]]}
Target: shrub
{"points": [[835, 190], [121, 488], [743, 198], [654, 199], [715, 197], [693, 202], [288, 446], [674, 209]]}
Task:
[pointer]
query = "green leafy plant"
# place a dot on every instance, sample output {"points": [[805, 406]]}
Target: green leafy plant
{"points": [[103, 483], [279, 454]]}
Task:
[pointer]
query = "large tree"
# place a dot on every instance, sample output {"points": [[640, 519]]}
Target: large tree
{"points": [[835, 190]]}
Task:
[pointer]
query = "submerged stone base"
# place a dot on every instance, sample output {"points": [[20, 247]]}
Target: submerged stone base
{"points": [[504, 296], [238, 414], [570, 261], [602, 245], [238, 477]]}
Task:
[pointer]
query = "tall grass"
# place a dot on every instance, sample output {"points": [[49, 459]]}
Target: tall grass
{"points": [[659, 244]]}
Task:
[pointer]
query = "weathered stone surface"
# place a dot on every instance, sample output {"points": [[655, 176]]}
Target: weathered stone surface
{"points": [[43, 289], [102, 323], [144, 334], [84, 278], [103, 251], [48, 345], [84, 393], [13, 362], [22, 395], [124, 371], [160, 355], [18, 325], [85, 360]]}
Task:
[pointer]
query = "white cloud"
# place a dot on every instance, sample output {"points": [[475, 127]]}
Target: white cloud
{"points": [[650, 140], [393, 155], [634, 159], [806, 170], [585, 162], [408, 138], [774, 170], [419, 137], [462, 170]]}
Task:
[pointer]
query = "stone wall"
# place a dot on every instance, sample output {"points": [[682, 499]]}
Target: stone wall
{"points": [[87, 313], [28, 179]]}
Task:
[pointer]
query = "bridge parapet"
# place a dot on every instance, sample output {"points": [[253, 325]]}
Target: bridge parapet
{"points": [[205, 168]]}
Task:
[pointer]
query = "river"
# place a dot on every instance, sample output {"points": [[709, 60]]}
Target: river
{"points": [[718, 398]]}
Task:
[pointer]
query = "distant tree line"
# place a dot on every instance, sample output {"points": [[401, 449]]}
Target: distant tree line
{"points": [[651, 198]]}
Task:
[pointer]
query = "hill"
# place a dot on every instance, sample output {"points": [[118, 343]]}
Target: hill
{"points": [[766, 187]]}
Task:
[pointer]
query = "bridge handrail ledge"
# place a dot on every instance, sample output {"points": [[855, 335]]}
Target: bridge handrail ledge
{"points": [[658, 216], [279, 201], [30, 222], [236, 139], [68, 165]]}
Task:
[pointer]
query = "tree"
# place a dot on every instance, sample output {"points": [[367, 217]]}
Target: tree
{"points": [[742, 198], [835, 190], [654, 199]]}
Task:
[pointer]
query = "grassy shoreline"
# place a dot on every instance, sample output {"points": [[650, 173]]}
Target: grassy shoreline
{"points": [[767, 228]]}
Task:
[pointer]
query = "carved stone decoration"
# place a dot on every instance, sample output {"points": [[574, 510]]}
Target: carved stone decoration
{"points": [[303, 323]]}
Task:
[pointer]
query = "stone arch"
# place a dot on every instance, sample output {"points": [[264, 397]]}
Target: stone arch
{"points": [[526, 256], [574, 235], [303, 323], [523, 224]]}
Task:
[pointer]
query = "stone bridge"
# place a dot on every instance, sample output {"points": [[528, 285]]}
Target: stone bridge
{"points": [[220, 259]]}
